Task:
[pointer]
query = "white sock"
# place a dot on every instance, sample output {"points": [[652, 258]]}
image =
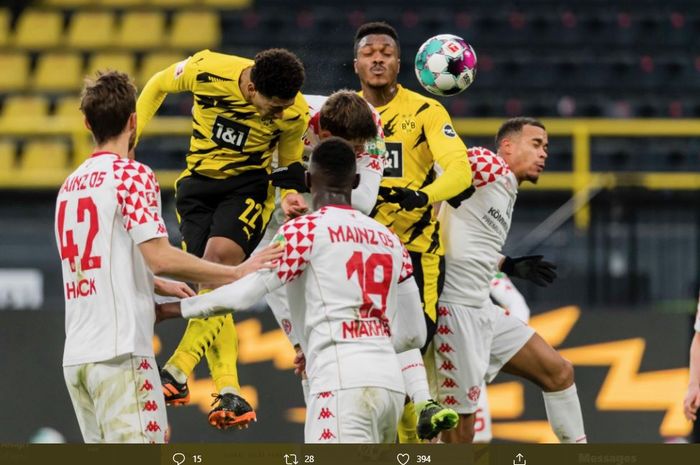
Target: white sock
{"points": [[564, 414], [229, 390], [305, 389], [176, 373], [414, 376]]}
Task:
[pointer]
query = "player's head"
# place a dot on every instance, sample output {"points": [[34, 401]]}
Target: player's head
{"points": [[109, 105], [347, 115], [523, 143], [332, 167], [275, 79], [377, 54]]}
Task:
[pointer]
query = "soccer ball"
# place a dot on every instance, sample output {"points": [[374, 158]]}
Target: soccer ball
{"points": [[445, 65]]}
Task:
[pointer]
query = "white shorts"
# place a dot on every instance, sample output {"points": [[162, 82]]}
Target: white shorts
{"points": [[360, 415], [119, 400], [470, 346]]}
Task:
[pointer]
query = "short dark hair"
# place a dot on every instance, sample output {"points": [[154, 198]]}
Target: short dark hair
{"points": [[107, 102], [515, 125], [376, 27], [345, 114], [335, 158], [277, 72]]}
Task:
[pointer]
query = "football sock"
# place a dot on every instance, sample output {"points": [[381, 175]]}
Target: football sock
{"points": [[175, 372], [414, 376], [199, 335], [222, 356], [407, 425], [564, 414]]}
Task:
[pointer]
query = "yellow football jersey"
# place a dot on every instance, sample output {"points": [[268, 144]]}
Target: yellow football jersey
{"points": [[419, 133], [228, 135]]}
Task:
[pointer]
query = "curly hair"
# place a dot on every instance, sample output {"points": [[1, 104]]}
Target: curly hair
{"points": [[376, 27], [345, 114], [277, 73], [335, 159], [107, 102]]}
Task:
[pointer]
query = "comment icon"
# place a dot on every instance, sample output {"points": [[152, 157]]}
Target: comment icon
{"points": [[178, 458]]}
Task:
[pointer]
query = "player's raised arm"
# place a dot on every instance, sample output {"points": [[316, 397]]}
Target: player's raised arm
{"points": [[178, 77], [450, 153]]}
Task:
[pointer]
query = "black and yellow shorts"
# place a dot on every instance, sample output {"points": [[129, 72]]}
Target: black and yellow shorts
{"points": [[429, 273], [237, 208]]}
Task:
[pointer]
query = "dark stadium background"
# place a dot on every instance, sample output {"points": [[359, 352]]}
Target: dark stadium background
{"points": [[618, 84]]}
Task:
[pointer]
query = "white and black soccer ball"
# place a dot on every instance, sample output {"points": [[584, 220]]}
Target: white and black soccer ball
{"points": [[445, 65]]}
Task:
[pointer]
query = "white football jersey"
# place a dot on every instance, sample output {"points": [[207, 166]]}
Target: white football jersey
{"points": [[105, 208], [341, 270], [475, 232]]}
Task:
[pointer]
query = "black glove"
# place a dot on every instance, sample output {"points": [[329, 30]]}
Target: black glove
{"points": [[290, 177], [408, 199], [457, 200], [530, 267]]}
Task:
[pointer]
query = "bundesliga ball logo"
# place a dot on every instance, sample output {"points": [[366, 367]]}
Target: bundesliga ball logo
{"points": [[445, 65]]}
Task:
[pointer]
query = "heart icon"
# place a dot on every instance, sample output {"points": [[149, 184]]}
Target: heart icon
{"points": [[402, 458]]}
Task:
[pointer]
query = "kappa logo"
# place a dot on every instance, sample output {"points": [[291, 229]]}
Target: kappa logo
{"points": [[443, 311], [150, 406], [326, 435], [147, 386], [325, 414], [474, 393], [448, 130], [445, 348], [324, 395], [449, 383], [450, 400], [144, 365], [152, 426], [443, 329], [447, 366]]}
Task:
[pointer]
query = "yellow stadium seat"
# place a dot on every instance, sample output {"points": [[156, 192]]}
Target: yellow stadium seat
{"points": [[154, 62], [229, 4], [91, 30], [123, 62], [4, 26], [173, 3], [38, 29], [195, 30], [120, 3], [69, 107], [141, 30], [7, 155], [57, 72], [15, 71], [22, 106], [44, 156], [69, 3]]}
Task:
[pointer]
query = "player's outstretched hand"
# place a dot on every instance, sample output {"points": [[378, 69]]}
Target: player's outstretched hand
{"points": [[290, 177], [264, 259], [167, 311], [294, 205], [408, 199], [530, 267], [457, 200], [168, 288], [692, 402]]}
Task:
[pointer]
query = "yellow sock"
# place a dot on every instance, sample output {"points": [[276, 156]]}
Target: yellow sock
{"points": [[198, 337], [222, 357], [407, 425]]}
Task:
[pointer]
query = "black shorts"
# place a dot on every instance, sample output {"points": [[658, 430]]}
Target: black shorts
{"points": [[234, 208], [429, 273]]}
